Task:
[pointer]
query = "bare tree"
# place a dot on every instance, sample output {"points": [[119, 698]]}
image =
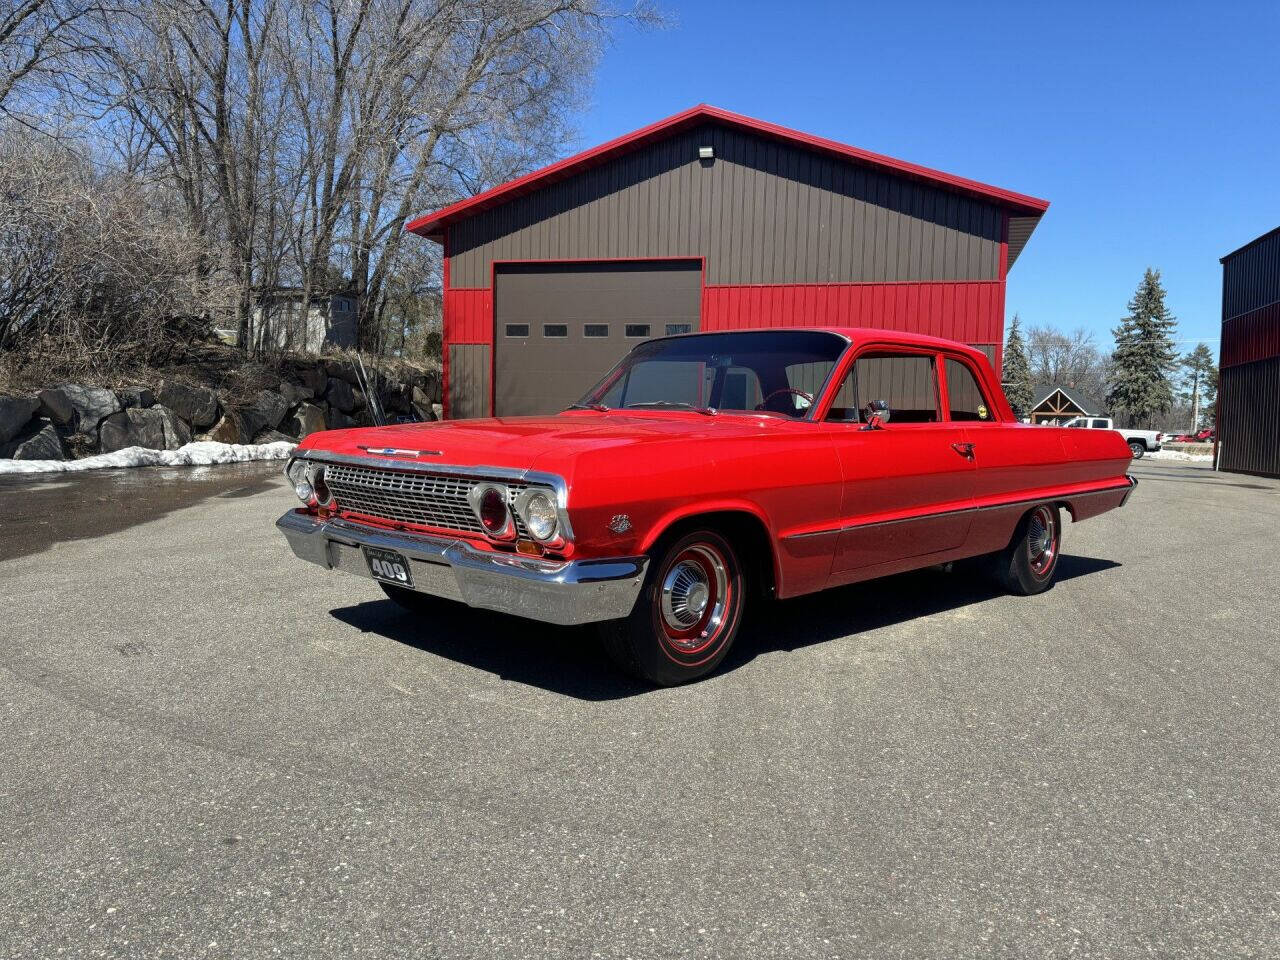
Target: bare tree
{"points": [[1070, 359], [38, 40]]}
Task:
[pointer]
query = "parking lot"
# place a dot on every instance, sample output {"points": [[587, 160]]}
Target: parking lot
{"points": [[212, 749]]}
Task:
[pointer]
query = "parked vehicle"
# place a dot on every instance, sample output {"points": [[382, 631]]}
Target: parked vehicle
{"points": [[1202, 436], [703, 472], [1139, 441]]}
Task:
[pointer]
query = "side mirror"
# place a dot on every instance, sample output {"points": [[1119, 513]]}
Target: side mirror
{"points": [[877, 414]]}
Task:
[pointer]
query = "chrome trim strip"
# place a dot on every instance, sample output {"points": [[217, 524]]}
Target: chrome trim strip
{"points": [[562, 592], [949, 513]]}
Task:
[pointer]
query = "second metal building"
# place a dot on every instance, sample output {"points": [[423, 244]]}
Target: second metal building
{"points": [[708, 220], [1248, 412]]}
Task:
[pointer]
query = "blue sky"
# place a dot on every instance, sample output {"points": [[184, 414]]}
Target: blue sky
{"points": [[1153, 128]]}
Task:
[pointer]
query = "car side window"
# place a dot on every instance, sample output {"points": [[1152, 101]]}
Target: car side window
{"points": [[964, 397], [1099, 424], [907, 383]]}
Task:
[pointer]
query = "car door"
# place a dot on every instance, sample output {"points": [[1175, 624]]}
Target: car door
{"points": [[908, 481], [1013, 462]]}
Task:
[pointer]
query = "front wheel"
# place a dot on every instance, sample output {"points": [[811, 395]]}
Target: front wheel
{"points": [[687, 614], [1028, 564], [1137, 448]]}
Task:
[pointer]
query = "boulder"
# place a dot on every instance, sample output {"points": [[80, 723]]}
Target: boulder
{"points": [[341, 396], [422, 405], [315, 379], [176, 432], [196, 405], [39, 441], [230, 429], [136, 397], [431, 386], [272, 436], [269, 408], [343, 370], [57, 406], [155, 428], [92, 405], [294, 393], [338, 420], [438, 410], [308, 418], [15, 414], [397, 397]]}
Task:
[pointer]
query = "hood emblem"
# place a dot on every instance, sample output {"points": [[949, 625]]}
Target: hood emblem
{"points": [[400, 451], [621, 523]]}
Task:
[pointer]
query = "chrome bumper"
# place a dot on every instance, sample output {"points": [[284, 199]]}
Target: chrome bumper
{"points": [[553, 591]]}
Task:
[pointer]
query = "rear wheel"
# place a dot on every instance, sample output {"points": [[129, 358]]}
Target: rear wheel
{"points": [[1028, 564], [1137, 448], [687, 614]]}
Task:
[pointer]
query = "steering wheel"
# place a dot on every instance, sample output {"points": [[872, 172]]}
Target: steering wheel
{"points": [[764, 404]]}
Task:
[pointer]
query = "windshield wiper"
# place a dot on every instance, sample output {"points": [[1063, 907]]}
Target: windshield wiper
{"points": [[705, 411], [598, 407]]}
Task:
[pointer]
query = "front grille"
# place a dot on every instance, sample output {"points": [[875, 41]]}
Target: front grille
{"points": [[403, 496]]}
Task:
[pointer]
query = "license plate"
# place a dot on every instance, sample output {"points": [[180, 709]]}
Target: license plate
{"points": [[388, 566]]}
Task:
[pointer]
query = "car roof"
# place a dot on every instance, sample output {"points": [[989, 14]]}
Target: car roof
{"points": [[853, 335]]}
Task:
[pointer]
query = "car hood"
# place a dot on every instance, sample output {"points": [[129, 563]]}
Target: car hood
{"points": [[522, 443]]}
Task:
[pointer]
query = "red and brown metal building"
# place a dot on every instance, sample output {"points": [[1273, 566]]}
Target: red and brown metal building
{"points": [[709, 220], [1248, 420]]}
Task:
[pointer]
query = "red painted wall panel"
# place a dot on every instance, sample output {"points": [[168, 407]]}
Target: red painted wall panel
{"points": [[1251, 336], [468, 316], [971, 312]]}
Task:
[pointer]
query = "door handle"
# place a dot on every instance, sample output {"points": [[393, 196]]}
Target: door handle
{"points": [[964, 449]]}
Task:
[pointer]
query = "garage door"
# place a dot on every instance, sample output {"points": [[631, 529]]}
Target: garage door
{"points": [[561, 326]]}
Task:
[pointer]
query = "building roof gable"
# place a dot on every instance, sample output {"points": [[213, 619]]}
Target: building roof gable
{"points": [[1024, 210]]}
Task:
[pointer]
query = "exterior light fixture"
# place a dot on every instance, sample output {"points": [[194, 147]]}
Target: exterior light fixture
{"points": [[706, 153]]}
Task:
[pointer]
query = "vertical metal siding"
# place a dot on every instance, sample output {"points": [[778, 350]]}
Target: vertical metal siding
{"points": [[1248, 406], [761, 212], [468, 380], [1249, 418]]}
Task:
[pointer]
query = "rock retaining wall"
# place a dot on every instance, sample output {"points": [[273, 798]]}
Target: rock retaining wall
{"points": [[75, 420]]}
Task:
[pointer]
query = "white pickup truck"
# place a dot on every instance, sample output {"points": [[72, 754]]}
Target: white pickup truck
{"points": [[1139, 441]]}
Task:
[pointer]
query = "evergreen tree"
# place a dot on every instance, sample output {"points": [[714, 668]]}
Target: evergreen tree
{"points": [[1018, 388], [1201, 382], [1144, 358]]}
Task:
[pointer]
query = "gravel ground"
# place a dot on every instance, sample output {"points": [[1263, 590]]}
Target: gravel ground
{"points": [[214, 750]]}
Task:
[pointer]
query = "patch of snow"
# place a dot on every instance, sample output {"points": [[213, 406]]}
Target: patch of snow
{"points": [[1179, 455], [200, 453]]}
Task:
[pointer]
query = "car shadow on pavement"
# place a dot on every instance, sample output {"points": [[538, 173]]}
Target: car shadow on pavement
{"points": [[569, 660]]}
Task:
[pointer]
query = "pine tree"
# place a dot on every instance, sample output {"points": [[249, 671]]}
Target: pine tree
{"points": [[1144, 358], [1018, 388], [1201, 381]]}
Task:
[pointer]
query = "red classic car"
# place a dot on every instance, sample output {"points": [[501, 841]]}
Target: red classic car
{"points": [[702, 472]]}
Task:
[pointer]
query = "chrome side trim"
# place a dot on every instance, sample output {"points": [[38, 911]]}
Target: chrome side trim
{"points": [[1128, 488], [562, 592]]}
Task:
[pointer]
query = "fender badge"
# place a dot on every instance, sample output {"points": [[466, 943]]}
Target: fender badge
{"points": [[620, 523], [399, 451]]}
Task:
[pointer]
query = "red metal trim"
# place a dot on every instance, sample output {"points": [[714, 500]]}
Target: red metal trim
{"points": [[1250, 336], [967, 311], [431, 225], [493, 300], [444, 326]]}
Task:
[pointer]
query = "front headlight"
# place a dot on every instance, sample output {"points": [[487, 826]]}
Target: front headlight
{"points": [[297, 474], [540, 516]]}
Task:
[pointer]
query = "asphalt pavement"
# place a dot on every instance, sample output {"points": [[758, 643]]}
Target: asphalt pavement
{"points": [[211, 749]]}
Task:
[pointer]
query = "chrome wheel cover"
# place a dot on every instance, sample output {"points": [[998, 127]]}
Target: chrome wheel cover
{"points": [[694, 597], [1042, 541]]}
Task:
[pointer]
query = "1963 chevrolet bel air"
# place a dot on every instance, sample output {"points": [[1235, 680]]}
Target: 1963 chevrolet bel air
{"points": [[702, 472]]}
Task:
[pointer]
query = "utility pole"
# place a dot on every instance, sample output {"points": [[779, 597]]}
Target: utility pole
{"points": [[1195, 402]]}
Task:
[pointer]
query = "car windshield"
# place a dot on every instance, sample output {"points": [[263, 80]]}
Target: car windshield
{"points": [[776, 372]]}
